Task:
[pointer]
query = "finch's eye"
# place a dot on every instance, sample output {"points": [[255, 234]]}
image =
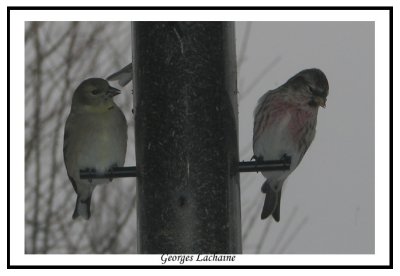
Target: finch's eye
{"points": [[96, 91], [315, 91]]}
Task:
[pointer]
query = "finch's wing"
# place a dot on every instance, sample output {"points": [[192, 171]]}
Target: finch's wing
{"points": [[73, 183], [68, 151], [306, 142], [68, 131], [263, 111]]}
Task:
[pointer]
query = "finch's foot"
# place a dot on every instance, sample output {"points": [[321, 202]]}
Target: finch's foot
{"points": [[111, 171], [287, 159], [91, 172], [257, 159]]}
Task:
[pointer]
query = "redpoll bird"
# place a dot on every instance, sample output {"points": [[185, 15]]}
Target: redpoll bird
{"points": [[94, 138], [284, 125]]}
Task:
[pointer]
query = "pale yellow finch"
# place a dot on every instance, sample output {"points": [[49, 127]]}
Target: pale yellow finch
{"points": [[94, 138]]}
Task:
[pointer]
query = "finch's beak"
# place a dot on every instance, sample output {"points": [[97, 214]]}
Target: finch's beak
{"points": [[111, 92], [320, 101]]}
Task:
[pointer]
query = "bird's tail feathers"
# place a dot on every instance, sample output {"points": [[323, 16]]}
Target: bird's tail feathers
{"points": [[82, 208], [265, 186], [272, 202], [277, 211], [123, 76]]}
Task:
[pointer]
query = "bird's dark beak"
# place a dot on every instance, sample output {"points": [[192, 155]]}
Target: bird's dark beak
{"points": [[320, 101], [112, 91]]}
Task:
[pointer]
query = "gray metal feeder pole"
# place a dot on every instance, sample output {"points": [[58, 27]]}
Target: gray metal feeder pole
{"points": [[186, 132]]}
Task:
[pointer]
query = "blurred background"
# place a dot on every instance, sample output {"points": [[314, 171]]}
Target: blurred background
{"points": [[327, 203]]}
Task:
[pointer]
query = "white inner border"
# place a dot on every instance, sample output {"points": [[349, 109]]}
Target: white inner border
{"points": [[17, 84]]}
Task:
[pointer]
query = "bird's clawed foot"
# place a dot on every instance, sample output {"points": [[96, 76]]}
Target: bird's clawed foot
{"points": [[111, 171], [257, 159], [91, 172], [287, 159]]}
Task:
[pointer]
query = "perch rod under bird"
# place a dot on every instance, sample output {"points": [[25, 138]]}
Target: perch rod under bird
{"points": [[243, 166]]}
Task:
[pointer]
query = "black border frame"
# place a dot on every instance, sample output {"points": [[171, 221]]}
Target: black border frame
{"points": [[387, 8]]}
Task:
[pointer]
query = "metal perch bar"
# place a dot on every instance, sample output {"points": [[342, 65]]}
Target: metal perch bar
{"points": [[269, 165], [243, 166]]}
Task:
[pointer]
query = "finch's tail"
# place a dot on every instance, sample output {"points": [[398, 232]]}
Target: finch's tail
{"points": [[123, 76], [82, 208], [272, 202]]}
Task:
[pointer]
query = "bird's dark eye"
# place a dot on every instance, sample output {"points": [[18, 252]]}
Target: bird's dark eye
{"points": [[315, 91], [319, 91], [96, 91]]}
